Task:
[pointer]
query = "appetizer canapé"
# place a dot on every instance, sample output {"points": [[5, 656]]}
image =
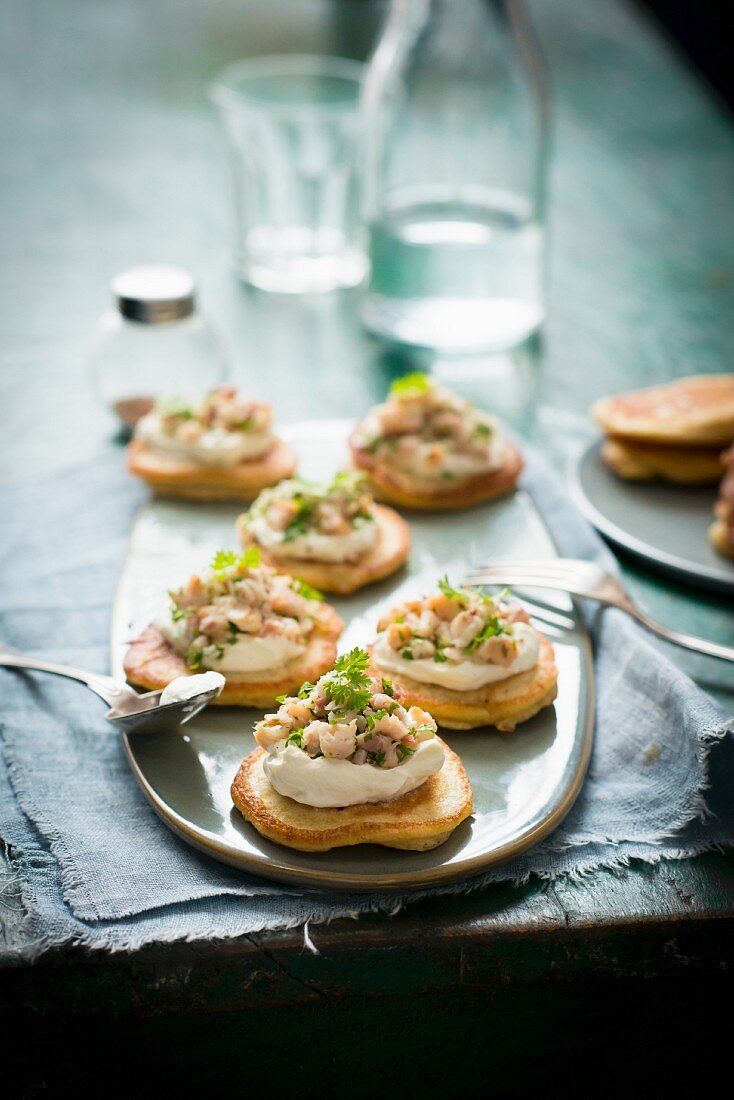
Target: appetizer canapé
{"points": [[674, 432], [470, 658], [721, 531], [220, 449], [332, 535], [428, 448], [345, 762], [265, 632]]}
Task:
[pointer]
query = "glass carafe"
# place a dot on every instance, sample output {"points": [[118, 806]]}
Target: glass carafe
{"points": [[455, 149]]}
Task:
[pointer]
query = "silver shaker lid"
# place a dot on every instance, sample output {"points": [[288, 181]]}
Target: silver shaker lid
{"points": [[155, 293]]}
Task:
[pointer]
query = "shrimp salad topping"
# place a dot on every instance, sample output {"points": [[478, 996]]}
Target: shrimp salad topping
{"points": [[240, 616], [430, 434], [330, 522], [347, 739], [222, 430], [459, 638]]}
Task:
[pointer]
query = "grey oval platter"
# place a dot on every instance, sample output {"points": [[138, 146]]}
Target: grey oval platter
{"points": [[524, 782], [665, 525]]}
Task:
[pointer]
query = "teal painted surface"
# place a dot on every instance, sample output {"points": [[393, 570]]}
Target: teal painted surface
{"points": [[112, 156]]}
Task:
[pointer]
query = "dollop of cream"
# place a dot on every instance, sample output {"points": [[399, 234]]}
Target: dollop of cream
{"points": [[215, 447], [463, 675], [325, 781], [313, 545], [248, 654], [186, 687]]}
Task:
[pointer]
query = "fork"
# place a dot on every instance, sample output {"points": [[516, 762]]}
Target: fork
{"points": [[591, 582]]}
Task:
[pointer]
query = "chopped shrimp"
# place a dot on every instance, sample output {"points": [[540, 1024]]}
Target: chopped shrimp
{"points": [[246, 619], [422, 649], [213, 623], [442, 606], [465, 626], [397, 635], [281, 513], [270, 731], [338, 740], [499, 650]]}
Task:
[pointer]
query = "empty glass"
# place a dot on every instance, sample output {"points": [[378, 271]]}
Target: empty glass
{"points": [[291, 124]]}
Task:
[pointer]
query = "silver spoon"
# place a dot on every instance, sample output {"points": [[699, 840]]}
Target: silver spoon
{"points": [[129, 712]]}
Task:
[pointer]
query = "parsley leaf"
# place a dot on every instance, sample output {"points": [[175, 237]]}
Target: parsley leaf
{"points": [[179, 613], [411, 385], [225, 560], [295, 738], [388, 688], [451, 593], [304, 589], [348, 684], [174, 407], [489, 630]]}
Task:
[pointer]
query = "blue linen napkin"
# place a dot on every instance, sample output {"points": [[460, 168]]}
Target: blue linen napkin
{"points": [[92, 863]]}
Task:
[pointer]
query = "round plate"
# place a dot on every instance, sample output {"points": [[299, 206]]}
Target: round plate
{"points": [[524, 782], [664, 524]]}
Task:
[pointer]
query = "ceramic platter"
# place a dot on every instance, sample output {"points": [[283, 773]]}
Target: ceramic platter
{"points": [[665, 525], [524, 782]]}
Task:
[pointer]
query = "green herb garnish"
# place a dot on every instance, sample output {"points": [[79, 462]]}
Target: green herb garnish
{"points": [[224, 560], [489, 630], [388, 688], [304, 589], [411, 385], [170, 407], [295, 738], [451, 593], [403, 752], [348, 685], [179, 613]]}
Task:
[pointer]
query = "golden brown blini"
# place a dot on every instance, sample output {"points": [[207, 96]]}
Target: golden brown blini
{"points": [[171, 476], [428, 448], [721, 531], [654, 461], [389, 552], [690, 411], [504, 704], [422, 819], [151, 663], [463, 493]]}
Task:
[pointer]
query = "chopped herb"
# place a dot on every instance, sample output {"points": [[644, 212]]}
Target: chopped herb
{"points": [[194, 657], [489, 630], [399, 619], [280, 698], [348, 685], [224, 560], [440, 657], [407, 655], [404, 752], [179, 613], [423, 728], [451, 593], [295, 738], [305, 590], [411, 385], [377, 758], [388, 688], [169, 407], [482, 431], [305, 690], [447, 475]]}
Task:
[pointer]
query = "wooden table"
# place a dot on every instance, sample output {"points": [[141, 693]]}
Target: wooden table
{"points": [[113, 157]]}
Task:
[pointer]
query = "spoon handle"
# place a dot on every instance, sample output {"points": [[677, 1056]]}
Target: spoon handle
{"points": [[107, 688]]}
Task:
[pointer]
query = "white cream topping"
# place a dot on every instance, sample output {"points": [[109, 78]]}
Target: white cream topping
{"points": [[215, 447], [248, 654], [326, 781], [313, 545], [464, 675], [186, 687]]}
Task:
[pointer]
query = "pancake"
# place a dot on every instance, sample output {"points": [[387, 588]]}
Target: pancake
{"points": [[170, 476], [388, 554], [504, 704], [690, 411], [151, 663], [419, 820], [453, 494], [721, 536], [636, 461]]}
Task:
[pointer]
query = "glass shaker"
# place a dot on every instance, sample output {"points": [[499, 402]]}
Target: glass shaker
{"points": [[454, 118], [153, 342]]}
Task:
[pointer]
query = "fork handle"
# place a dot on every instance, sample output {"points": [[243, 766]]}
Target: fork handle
{"points": [[687, 641]]}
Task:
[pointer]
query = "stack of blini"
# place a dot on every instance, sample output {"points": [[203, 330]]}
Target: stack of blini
{"points": [[674, 432]]}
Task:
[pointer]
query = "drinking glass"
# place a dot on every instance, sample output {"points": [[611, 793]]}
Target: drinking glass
{"points": [[291, 124]]}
